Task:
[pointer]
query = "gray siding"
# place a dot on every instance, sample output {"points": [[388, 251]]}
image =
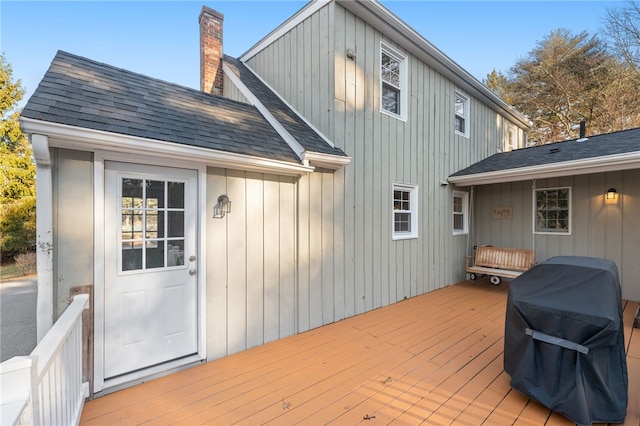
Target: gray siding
{"points": [[232, 92], [348, 259], [598, 228], [251, 261], [72, 223]]}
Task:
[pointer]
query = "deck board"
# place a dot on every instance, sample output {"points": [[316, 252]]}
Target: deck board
{"points": [[434, 359]]}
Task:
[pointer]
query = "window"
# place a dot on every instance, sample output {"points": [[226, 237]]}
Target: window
{"points": [[553, 211], [152, 226], [460, 212], [461, 107], [405, 211], [392, 82], [510, 140]]}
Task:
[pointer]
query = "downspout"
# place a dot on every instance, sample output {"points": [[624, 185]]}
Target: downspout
{"points": [[471, 223], [533, 223], [44, 234]]}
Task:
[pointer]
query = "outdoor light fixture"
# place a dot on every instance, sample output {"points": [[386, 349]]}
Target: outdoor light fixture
{"points": [[222, 207], [612, 194]]}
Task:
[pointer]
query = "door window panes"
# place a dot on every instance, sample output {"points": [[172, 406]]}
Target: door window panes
{"points": [[152, 224]]}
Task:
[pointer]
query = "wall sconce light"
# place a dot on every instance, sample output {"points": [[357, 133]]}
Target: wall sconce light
{"points": [[351, 54], [222, 207], [612, 194]]}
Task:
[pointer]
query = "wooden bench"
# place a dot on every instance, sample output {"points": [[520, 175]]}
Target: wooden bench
{"points": [[499, 262]]}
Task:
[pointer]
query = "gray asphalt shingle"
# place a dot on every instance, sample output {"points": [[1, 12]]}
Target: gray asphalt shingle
{"points": [[296, 126], [621, 142], [80, 92]]}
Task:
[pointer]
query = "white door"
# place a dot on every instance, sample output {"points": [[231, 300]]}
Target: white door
{"points": [[150, 293]]}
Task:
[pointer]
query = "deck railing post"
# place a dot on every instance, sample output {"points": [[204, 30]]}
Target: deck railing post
{"points": [[87, 337]]}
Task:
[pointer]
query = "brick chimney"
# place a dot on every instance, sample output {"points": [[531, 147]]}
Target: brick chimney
{"points": [[211, 80]]}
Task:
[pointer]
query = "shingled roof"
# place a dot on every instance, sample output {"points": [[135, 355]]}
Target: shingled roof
{"points": [[79, 92], [292, 122], [611, 151]]}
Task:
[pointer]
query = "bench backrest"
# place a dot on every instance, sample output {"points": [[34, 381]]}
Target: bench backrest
{"points": [[504, 258]]}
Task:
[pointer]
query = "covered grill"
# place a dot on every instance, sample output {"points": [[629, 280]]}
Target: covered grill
{"points": [[564, 338]]}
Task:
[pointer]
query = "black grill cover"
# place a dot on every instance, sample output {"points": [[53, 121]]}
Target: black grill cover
{"points": [[564, 338]]}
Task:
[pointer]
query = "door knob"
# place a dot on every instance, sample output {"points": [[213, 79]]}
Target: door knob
{"points": [[192, 258], [192, 271]]}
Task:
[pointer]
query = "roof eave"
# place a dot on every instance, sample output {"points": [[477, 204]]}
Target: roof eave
{"points": [[83, 139], [608, 163], [326, 161], [385, 21]]}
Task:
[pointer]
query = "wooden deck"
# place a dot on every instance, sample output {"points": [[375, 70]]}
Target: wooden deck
{"points": [[435, 359]]}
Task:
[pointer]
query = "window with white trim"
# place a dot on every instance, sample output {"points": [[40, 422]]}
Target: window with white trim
{"points": [[552, 211], [460, 212], [405, 211], [393, 81], [510, 139], [461, 108]]}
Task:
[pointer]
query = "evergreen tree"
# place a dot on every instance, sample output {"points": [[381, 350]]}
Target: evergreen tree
{"points": [[569, 78], [499, 84], [17, 179]]}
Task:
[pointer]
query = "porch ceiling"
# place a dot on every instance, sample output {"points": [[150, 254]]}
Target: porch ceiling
{"points": [[436, 358]]}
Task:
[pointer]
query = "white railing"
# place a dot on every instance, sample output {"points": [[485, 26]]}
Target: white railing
{"points": [[46, 387]]}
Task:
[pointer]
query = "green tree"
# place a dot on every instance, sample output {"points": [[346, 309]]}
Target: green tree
{"points": [[499, 84], [17, 179], [569, 78]]}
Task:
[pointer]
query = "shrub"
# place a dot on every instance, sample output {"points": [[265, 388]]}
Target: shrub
{"points": [[26, 263]]}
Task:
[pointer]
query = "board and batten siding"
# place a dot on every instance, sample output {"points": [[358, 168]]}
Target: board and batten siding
{"points": [[73, 244], [598, 228], [362, 268], [251, 261]]}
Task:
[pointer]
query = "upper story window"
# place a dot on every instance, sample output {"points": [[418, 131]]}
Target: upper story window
{"points": [[405, 211], [393, 81], [552, 211], [461, 108], [510, 140], [460, 212]]}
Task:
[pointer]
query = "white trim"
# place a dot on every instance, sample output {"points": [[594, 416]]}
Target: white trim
{"points": [[535, 211], [323, 160], [465, 212], [295, 20], [44, 234], [99, 254], [378, 16], [404, 84], [82, 139], [606, 163], [201, 252], [277, 126], [328, 161], [98, 271], [467, 112], [511, 133], [414, 211]]}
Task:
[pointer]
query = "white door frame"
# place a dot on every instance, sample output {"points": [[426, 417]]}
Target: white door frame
{"points": [[99, 271]]}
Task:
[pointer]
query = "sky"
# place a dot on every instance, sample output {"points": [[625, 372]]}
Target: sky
{"points": [[160, 38]]}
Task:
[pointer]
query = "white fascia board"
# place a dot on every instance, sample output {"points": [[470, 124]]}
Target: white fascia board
{"points": [[328, 161], [608, 163], [321, 160], [82, 139], [308, 10], [376, 14], [277, 126]]}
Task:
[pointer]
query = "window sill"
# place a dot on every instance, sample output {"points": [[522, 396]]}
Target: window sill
{"points": [[396, 116], [396, 237]]}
